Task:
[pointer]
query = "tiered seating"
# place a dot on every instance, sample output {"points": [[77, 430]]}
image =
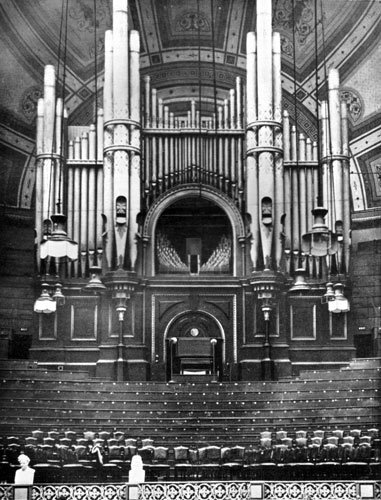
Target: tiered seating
{"points": [[196, 415], [103, 456]]}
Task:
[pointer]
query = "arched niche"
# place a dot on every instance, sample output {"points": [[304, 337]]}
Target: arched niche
{"points": [[187, 194]]}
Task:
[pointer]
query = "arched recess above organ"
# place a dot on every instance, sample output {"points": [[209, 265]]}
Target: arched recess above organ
{"points": [[212, 196]]}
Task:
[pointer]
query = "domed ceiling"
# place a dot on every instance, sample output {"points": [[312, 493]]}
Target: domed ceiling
{"points": [[183, 50]]}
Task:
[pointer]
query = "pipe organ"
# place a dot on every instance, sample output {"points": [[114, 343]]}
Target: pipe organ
{"points": [[290, 194]]}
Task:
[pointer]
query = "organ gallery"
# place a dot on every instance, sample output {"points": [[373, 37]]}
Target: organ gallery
{"points": [[197, 228]]}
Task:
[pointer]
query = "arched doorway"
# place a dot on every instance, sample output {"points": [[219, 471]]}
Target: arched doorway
{"points": [[194, 347]]}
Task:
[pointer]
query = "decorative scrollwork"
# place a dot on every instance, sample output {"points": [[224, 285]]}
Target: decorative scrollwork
{"points": [[303, 16], [354, 103], [192, 21], [29, 102]]}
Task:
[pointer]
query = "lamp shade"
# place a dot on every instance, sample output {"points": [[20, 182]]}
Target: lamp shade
{"points": [[341, 303], [45, 304], [59, 245]]}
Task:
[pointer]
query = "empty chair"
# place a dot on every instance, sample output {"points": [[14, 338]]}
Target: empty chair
{"points": [[318, 433], [110, 472], [146, 452], [160, 468], [355, 433], [115, 454], [7, 472], [300, 434], [70, 435], [119, 436], [31, 451], [339, 433], [210, 461], [30, 440], [300, 452], [65, 441], [11, 452], [129, 452], [332, 440], [81, 441], [49, 441], [130, 442], [47, 473], [38, 434], [45, 453], [88, 435], [279, 435], [365, 439], [98, 442], [182, 464], [54, 434], [373, 432], [265, 435], [81, 451], [330, 452], [147, 442], [112, 442], [251, 469], [346, 452], [105, 435], [232, 461], [363, 452], [74, 473], [65, 454]]}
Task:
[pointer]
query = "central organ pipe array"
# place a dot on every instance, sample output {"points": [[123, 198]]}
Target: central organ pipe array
{"points": [[108, 172]]}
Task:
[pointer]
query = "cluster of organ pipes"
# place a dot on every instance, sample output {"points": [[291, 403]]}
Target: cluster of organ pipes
{"points": [[282, 169], [193, 148], [108, 172]]}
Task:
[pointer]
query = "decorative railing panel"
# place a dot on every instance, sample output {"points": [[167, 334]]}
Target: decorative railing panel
{"points": [[210, 490]]}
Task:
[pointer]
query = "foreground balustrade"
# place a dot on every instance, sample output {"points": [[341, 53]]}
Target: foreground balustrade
{"points": [[221, 490]]}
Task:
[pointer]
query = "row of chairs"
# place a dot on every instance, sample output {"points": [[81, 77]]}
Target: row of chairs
{"points": [[69, 437], [204, 463]]}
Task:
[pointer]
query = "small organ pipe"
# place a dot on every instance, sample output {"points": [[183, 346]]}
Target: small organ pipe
{"points": [[120, 59], [58, 126], [278, 160], [92, 142], [91, 215], [108, 78], [108, 157], [302, 186], [193, 115], [100, 135], [335, 143], [238, 102], [84, 219], [134, 80], [99, 222], [147, 86], [326, 177], [39, 180], [153, 108], [49, 118], [77, 148], [226, 114], [76, 212], [294, 195], [84, 147], [287, 180], [232, 109], [251, 160], [277, 82], [70, 203], [346, 186], [309, 186]]}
